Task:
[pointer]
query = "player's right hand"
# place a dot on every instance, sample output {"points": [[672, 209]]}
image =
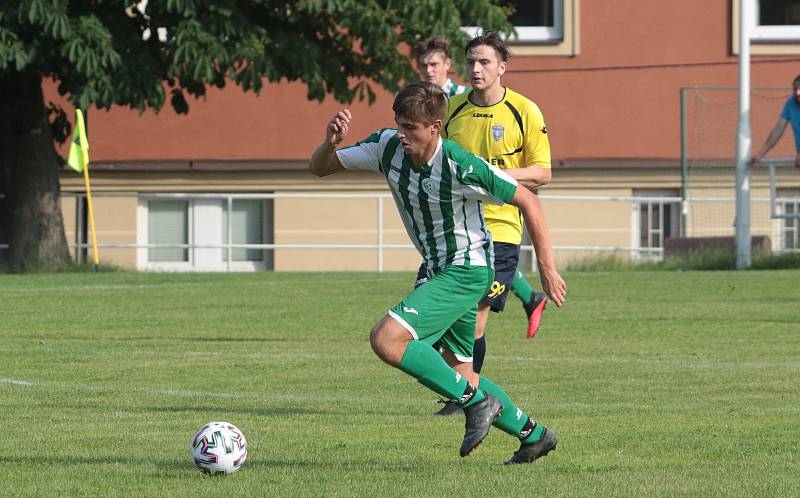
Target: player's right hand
{"points": [[338, 126]]}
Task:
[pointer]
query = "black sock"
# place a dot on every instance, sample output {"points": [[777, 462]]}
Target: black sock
{"points": [[478, 353]]}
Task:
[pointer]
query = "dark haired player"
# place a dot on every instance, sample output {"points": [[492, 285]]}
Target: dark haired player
{"points": [[439, 189]]}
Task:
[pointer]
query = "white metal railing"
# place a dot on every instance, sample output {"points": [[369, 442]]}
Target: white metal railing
{"points": [[773, 187], [380, 246]]}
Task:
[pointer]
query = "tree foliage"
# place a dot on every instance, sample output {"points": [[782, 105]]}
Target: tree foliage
{"points": [[106, 53], [139, 54]]}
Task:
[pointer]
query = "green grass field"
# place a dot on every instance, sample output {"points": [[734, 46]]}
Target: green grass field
{"points": [[658, 384]]}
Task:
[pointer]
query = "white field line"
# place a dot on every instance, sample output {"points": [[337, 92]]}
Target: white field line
{"points": [[677, 361], [179, 393], [4, 380], [728, 406], [104, 287]]}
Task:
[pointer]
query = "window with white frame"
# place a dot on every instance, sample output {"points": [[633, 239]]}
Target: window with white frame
{"points": [[247, 227], [190, 234], [656, 216], [789, 204], [535, 21], [776, 21], [168, 225]]}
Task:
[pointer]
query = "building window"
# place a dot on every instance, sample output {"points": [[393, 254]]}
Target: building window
{"points": [[201, 224], [656, 217], [168, 223], [776, 21], [543, 27], [538, 21], [247, 228], [789, 204], [774, 27]]}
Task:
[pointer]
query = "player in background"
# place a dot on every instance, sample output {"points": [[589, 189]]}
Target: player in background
{"points": [[439, 189], [507, 130], [790, 114], [434, 63]]}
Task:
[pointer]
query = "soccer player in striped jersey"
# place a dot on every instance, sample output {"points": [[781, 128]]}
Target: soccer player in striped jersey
{"points": [[440, 190], [434, 63]]}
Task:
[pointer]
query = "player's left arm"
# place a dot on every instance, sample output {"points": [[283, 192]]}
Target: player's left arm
{"points": [[531, 176], [536, 223]]}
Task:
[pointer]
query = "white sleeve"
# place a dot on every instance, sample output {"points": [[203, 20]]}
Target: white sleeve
{"points": [[364, 155]]}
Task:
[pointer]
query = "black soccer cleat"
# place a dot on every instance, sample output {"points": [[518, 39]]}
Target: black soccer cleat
{"points": [[449, 409], [479, 420], [527, 453]]}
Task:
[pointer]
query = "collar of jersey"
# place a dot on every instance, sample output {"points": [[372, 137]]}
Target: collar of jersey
{"points": [[427, 166], [505, 93]]}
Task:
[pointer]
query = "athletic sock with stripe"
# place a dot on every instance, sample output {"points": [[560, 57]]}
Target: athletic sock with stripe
{"points": [[427, 366], [512, 419]]}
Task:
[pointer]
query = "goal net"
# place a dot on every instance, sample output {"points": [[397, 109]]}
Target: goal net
{"points": [[709, 122]]}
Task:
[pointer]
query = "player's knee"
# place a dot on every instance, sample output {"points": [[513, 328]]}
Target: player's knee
{"points": [[380, 343], [387, 343]]}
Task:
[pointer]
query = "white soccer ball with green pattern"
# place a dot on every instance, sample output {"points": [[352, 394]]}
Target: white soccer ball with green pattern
{"points": [[218, 448]]}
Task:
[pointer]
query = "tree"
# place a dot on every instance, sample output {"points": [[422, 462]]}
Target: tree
{"points": [[139, 53]]}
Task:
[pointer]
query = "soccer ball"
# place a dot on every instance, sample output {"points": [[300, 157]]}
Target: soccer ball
{"points": [[218, 448]]}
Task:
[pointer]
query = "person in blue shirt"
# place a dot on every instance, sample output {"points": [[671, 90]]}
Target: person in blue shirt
{"points": [[790, 114]]}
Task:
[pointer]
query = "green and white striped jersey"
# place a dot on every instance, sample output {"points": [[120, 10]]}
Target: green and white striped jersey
{"points": [[441, 202], [452, 89]]}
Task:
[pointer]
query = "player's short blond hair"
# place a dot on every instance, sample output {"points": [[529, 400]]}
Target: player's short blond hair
{"points": [[421, 101]]}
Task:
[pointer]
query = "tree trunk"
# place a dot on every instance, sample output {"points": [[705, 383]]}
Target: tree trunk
{"points": [[31, 213]]}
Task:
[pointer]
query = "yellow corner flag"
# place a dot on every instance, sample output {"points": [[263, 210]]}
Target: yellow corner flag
{"points": [[78, 157]]}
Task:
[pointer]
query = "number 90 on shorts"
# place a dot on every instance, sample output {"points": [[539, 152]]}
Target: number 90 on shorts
{"points": [[506, 257]]}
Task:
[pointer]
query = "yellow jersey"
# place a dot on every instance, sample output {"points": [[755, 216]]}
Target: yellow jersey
{"points": [[509, 134]]}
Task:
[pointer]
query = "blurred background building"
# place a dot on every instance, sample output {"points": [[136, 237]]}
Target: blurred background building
{"points": [[640, 102]]}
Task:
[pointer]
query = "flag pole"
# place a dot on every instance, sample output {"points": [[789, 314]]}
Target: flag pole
{"points": [[78, 159], [95, 253]]}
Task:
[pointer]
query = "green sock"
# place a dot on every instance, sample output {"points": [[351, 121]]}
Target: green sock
{"points": [[511, 420], [521, 288], [427, 366]]}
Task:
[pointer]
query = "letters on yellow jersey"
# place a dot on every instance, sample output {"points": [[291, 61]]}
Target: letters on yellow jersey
{"points": [[494, 161]]}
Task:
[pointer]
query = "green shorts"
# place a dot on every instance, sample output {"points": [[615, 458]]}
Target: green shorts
{"points": [[441, 312]]}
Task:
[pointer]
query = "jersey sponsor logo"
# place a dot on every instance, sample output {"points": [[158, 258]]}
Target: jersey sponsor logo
{"points": [[497, 161], [497, 132], [410, 310], [496, 289], [428, 186], [482, 115]]}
